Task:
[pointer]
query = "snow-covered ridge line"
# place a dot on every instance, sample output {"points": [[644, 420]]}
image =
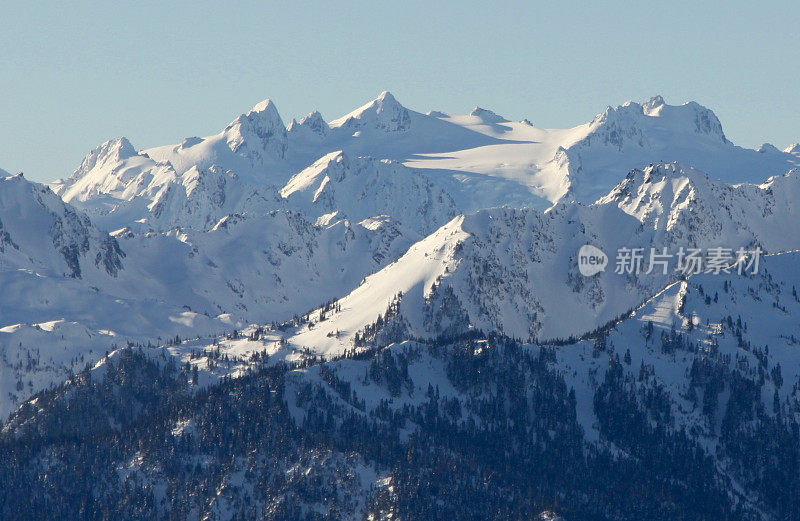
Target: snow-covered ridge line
{"points": [[480, 159]]}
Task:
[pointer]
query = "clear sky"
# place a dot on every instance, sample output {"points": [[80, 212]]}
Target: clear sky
{"points": [[74, 74]]}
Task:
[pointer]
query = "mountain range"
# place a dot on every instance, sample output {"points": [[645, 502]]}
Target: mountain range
{"points": [[360, 272]]}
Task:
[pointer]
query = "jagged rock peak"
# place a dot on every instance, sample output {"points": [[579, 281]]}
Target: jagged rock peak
{"points": [[631, 120], [35, 222], [651, 106], [659, 174], [113, 150], [487, 115], [384, 113], [266, 105], [313, 122], [260, 130], [794, 148]]}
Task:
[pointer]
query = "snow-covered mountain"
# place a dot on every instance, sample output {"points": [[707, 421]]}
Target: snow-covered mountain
{"points": [[584, 162], [655, 132], [326, 216], [65, 281], [119, 187], [38, 231], [515, 272], [686, 206], [262, 222], [683, 384], [357, 188], [362, 266]]}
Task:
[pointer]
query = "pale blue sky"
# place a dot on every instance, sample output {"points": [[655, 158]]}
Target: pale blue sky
{"points": [[72, 76]]}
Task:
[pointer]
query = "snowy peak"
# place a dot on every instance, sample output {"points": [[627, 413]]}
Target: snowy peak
{"points": [[312, 123], [658, 189], [362, 187], [637, 124], [683, 205], [39, 232], [314, 173], [487, 116], [616, 126], [650, 176], [200, 192], [768, 148], [196, 179], [109, 153], [115, 172], [706, 122], [786, 186], [265, 107], [633, 134], [793, 149], [258, 135], [203, 196], [384, 113], [654, 105]]}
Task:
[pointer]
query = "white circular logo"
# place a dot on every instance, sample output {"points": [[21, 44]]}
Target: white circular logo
{"points": [[591, 260]]}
